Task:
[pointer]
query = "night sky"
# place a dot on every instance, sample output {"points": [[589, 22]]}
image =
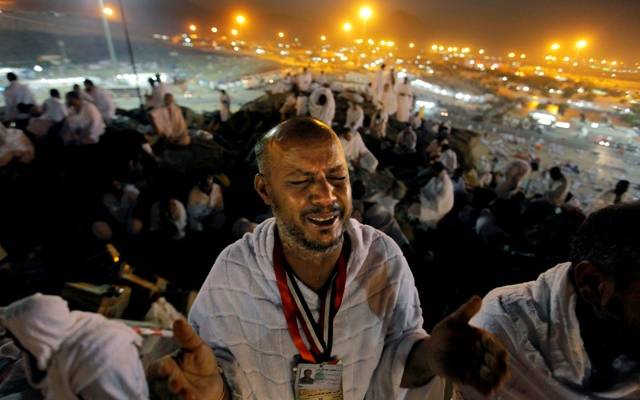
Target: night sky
{"points": [[611, 26]]}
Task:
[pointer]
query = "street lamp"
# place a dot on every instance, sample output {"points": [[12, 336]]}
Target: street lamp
{"points": [[580, 44], [323, 38], [365, 14], [235, 32], [280, 35], [214, 29], [193, 28], [106, 13], [346, 26], [241, 19], [555, 47]]}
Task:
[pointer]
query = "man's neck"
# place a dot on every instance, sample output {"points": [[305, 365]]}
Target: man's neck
{"points": [[313, 268]]}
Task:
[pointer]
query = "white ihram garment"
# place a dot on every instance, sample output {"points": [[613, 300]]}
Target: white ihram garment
{"points": [[239, 313], [537, 323]]}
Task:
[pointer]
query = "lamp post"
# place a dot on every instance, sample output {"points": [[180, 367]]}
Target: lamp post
{"points": [[130, 49], [365, 13], [106, 12]]}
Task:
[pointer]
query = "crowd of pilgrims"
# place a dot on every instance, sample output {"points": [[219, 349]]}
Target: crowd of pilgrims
{"points": [[70, 179], [74, 178]]}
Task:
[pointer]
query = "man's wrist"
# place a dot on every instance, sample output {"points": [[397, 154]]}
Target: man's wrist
{"points": [[417, 371]]}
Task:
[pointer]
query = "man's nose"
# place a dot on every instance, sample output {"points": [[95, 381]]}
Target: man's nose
{"points": [[323, 193]]}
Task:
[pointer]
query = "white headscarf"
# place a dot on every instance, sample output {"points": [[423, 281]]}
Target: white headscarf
{"points": [[73, 347]]}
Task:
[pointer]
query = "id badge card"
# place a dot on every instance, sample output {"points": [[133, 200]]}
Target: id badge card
{"points": [[318, 381]]}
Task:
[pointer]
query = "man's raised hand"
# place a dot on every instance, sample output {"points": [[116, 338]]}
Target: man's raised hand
{"points": [[193, 373], [467, 355]]}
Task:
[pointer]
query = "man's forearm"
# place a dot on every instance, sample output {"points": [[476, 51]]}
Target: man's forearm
{"points": [[416, 370]]}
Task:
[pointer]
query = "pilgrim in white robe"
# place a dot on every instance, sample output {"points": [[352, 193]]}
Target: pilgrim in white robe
{"points": [[436, 200], [357, 153], [304, 81], [103, 100], [84, 126], [84, 355], [157, 94], [302, 105], [449, 159], [355, 118], [324, 112], [405, 102], [14, 94], [238, 312], [321, 78], [14, 144], [53, 111], [377, 85], [169, 123], [225, 107], [389, 101], [378, 127], [513, 174], [406, 142], [201, 205], [537, 323]]}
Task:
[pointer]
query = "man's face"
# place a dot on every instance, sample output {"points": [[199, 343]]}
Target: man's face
{"points": [[168, 99], [310, 193]]}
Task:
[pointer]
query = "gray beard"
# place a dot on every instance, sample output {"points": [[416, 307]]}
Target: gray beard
{"points": [[293, 236]]}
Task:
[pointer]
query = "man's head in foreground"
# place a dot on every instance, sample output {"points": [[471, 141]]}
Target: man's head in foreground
{"points": [[606, 269], [11, 77], [303, 176]]}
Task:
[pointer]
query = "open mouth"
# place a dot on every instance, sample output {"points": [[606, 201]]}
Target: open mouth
{"points": [[323, 221]]}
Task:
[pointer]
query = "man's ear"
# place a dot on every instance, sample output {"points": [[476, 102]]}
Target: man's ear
{"points": [[594, 285], [262, 187]]}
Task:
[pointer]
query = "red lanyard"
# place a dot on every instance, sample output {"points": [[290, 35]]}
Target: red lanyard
{"points": [[319, 334]]}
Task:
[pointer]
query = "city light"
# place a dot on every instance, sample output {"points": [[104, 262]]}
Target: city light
{"points": [[323, 38], [365, 12], [555, 46], [581, 44], [523, 56], [346, 26], [241, 19], [512, 55], [235, 32], [192, 28], [280, 35], [108, 11], [412, 45], [434, 47], [481, 51], [214, 29]]}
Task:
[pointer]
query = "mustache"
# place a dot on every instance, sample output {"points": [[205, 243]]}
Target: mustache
{"points": [[334, 208]]}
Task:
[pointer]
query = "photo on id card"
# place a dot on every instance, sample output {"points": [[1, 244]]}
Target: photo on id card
{"points": [[318, 382]]}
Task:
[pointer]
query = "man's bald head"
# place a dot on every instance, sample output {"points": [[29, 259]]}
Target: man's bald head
{"points": [[293, 132]]}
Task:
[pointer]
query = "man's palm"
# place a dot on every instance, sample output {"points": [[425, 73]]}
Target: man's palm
{"points": [[465, 354], [193, 373]]}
